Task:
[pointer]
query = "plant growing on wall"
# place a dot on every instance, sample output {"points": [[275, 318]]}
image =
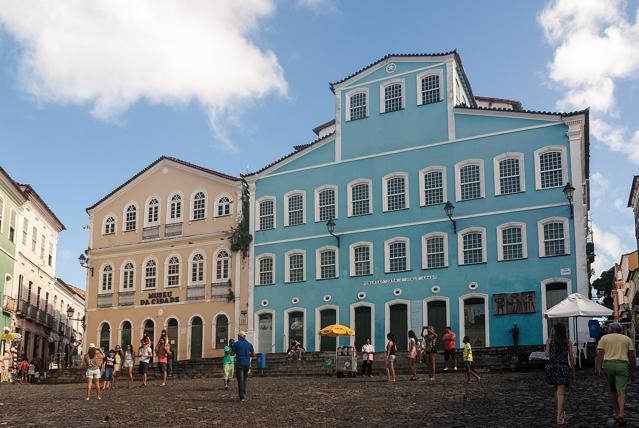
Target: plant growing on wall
{"points": [[241, 238]]}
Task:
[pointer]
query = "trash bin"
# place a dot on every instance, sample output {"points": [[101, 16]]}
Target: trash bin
{"points": [[594, 328], [261, 360]]}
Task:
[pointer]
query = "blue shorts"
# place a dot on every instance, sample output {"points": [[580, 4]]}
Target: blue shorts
{"points": [[468, 365], [108, 374]]}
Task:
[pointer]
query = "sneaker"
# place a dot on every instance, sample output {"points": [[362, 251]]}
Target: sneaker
{"points": [[99, 398], [226, 387], [445, 369], [87, 398]]}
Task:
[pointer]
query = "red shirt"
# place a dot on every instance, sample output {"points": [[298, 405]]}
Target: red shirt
{"points": [[160, 350], [449, 340]]}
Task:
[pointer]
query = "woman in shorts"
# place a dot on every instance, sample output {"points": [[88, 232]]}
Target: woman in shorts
{"points": [[92, 360], [391, 350], [430, 349], [117, 366], [412, 354], [129, 360]]}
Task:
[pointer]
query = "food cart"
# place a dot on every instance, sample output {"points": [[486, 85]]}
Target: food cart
{"points": [[345, 356]]}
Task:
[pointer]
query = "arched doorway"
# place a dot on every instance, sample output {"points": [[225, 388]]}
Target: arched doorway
{"points": [[328, 317], [125, 336], [265, 333], [363, 324], [105, 337], [149, 330], [475, 321], [196, 338], [399, 325], [221, 331], [173, 333], [555, 293], [295, 328], [437, 317]]}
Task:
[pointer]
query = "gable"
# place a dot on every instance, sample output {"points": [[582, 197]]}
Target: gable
{"points": [[320, 155], [399, 68], [467, 125]]}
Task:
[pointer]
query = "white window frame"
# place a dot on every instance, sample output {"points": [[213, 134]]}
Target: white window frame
{"points": [[215, 272], [460, 245], [143, 276], [348, 102], [540, 234], [482, 178], [385, 180], [425, 255], [190, 271], [382, 95], [387, 245], [286, 213], [115, 224], [13, 224], [179, 219], [166, 270], [192, 207], [258, 271], [137, 216], [418, 84], [124, 263], [217, 203], [258, 210], [500, 240], [422, 183], [147, 205], [351, 251], [497, 176], [318, 190], [287, 273], [25, 230], [350, 195], [101, 289], [318, 261], [564, 165]]}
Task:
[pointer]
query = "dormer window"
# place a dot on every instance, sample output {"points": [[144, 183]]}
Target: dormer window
{"points": [[429, 87], [357, 104], [392, 96]]}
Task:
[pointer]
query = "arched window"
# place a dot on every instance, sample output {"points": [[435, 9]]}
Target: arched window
{"points": [[105, 337], [197, 269], [357, 104], [199, 206], [397, 255], [361, 255], [395, 190], [360, 196], [326, 260], [153, 211], [131, 214], [325, 203], [429, 89], [295, 212], [222, 266], [109, 225], [223, 206], [472, 246], [470, 182], [128, 276], [221, 331], [150, 274], [267, 214], [266, 270], [173, 272], [175, 208], [106, 282], [392, 96], [149, 330], [125, 336]]}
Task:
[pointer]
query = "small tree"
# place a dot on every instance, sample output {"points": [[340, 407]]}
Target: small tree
{"points": [[604, 285]]}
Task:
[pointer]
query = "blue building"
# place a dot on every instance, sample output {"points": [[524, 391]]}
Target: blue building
{"points": [[443, 208]]}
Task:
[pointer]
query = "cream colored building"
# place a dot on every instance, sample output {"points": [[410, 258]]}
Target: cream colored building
{"points": [[160, 258]]}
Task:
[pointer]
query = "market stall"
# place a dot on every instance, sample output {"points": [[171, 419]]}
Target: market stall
{"points": [[345, 356]]}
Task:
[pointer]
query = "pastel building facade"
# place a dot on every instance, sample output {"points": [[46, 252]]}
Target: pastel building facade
{"points": [[409, 136]]}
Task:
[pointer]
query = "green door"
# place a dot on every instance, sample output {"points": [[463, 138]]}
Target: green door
{"points": [[196, 338]]}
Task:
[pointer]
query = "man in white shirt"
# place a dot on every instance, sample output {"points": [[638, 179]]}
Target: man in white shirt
{"points": [[367, 358], [145, 353]]}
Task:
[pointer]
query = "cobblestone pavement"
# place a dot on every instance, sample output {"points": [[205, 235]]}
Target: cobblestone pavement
{"points": [[501, 400]]}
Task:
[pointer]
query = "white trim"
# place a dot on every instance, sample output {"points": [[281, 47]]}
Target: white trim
{"points": [[137, 216], [387, 306], [387, 245], [418, 84], [422, 184], [497, 176], [188, 335], [318, 266], [385, 180], [214, 329], [101, 289], [192, 201], [100, 324], [318, 311], [217, 202], [425, 303], [189, 281], [286, 210], [119, 337], [509, 113], [166, 270], [351, 257], [382, 95], [134, 274], [214, 267], [415, 223], [500, 240], [258, 209], [354, 306], [487, 316], [350, 186], [318, 190], [348, 95], [258, 271], [2, 218], [143, 274], [287, 265], [103, 227], [256, 327], [342, 86], [460, 244], [287, 327], [424, 254], [543, 284], [179, 219], [450, 97], [482, 178], [564, 167], [540, 234], [145, 220]]}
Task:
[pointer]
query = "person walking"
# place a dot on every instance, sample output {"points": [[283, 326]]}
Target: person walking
{"points": [[615, 360], [163, 358], [243, 352], [367, 358], [412, 354], [109, 364], [560, 361], [449, 338], [391, 351], [118, 365], [129, 361], [430, 349], [92, 361], [228, 364], [468, 360], [145, 353]]}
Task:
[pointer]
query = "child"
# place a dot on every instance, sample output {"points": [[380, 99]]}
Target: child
{"points": [[31, 371], [228, 364], [468, 360], [109, 364], [23, 369]]}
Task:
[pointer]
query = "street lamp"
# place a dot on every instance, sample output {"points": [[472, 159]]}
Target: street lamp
{"points": [[569, 191], [449, 209], [330, 226], [84, 262]]}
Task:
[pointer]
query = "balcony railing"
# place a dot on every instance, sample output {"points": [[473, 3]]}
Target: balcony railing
{"points": [[126, 298], [9, 304], [105, 300], [220, 290], [152, 232], [196, 292], [172, 229]]}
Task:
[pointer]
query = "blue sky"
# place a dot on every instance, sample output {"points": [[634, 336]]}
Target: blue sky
{"points": [[86, 102]]}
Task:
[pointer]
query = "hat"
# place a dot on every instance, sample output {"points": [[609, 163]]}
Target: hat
{"points": [[242, 333], [91, 345]]}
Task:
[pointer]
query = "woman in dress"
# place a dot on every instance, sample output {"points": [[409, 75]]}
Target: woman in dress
{"points": [[412, 354], [391, 350], [129, 360], [118, 365], [430, 349], [560, 361]]}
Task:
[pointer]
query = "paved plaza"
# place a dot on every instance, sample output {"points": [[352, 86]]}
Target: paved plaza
{"points": [[501, 400]]}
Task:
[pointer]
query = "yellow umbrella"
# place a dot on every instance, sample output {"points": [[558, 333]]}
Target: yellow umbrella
{"points": [[335, 330]]}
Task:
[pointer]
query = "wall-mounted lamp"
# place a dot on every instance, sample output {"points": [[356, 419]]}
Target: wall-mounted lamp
{"points": [[330, 226], [449, 209], [569, 191], [84, 262]]}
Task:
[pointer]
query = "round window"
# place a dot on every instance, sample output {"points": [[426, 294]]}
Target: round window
{"points": [[361, 295], [295, 300], [473, 286], [264, 302], [435, 289], [327, 298], [397, 292]]}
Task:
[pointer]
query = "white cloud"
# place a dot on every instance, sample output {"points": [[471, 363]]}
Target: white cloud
{"points": [[609, 247], [596, 44], [317, 5], [111, 54], [599, 186]]}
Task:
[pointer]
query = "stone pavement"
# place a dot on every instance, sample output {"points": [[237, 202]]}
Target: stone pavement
{"points": [[501, 400]]}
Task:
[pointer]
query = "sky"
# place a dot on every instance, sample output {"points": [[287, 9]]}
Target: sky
{"points": [[93, 91]]}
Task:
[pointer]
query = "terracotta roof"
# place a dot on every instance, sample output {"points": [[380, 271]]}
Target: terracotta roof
{"points": [[297, 150], [27, 191], [72, 288], [152, 164]]}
